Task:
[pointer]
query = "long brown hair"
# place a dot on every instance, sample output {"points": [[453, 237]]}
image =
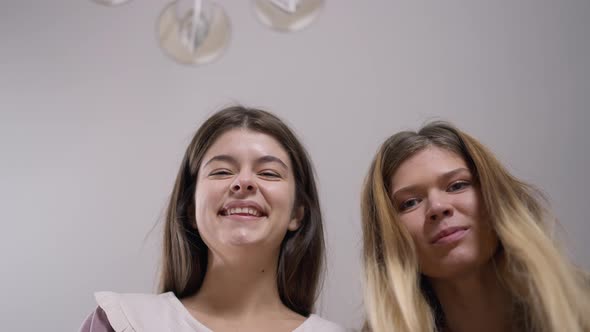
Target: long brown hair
{"points": [[301, 257], [548, 292]]}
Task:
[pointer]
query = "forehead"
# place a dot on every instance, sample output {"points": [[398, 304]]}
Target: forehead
{"points": [[245, 143], [425, 165]]}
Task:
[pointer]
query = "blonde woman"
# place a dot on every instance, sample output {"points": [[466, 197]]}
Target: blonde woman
{"points": [[455, 243], [243, 241]]}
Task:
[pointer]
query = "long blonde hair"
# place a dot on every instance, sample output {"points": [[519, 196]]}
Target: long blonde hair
{"points": [[550, 292]]}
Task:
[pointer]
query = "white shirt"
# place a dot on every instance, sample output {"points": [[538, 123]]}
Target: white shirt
{"points": [[165, 313]]}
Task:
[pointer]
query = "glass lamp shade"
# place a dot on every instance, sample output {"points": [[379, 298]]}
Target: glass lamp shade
{"points": [[284, 15], [111, 3], [193, 32]]}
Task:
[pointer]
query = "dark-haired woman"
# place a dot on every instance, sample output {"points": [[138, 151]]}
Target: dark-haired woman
{"points": [[243, 241]]}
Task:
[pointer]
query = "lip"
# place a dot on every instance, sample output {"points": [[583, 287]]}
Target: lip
{"points": [[449, 235], [243, 204]]}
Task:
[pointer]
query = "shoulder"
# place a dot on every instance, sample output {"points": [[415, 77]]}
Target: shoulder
{"points": [[126, 310], [133, 301], [97, 321], [317, 323], [142, 312]]}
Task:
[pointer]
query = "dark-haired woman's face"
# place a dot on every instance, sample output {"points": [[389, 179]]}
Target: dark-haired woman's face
{"points": [[437, 201], [245, 192]]}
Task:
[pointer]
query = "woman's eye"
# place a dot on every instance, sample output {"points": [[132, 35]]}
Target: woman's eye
{"points": [[459, 185], [220, 172], [408, 204], [269, 174]]}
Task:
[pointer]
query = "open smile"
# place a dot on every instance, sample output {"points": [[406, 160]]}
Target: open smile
{"points": [[242, 210]]}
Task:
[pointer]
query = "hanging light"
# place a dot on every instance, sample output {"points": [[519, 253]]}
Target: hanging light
{"points": [[193, 32], [111, 3], [287, 15]]}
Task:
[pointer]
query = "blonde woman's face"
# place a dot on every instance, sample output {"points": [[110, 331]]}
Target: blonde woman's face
{"points": [[245, 193], [438, 203]]}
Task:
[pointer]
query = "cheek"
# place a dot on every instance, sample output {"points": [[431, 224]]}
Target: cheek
{"points": [[471, 205], [489, 240], [207, 197], [280, 195], [414, 225]]}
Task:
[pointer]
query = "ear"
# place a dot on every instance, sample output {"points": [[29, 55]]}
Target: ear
{"points": [[295, 221]]}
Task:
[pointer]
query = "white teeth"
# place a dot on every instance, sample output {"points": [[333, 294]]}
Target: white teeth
{"points": [[250, 211]]}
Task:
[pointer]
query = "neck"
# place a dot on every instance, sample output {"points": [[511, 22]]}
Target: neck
{"points": [[474, 302], [240, 286]]}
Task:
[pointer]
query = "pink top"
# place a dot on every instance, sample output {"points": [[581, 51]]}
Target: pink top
{"points": [[162, 312], [97, 322]]}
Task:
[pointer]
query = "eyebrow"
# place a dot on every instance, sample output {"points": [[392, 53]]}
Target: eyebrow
{"points": [[261, 160], [443, 176]]}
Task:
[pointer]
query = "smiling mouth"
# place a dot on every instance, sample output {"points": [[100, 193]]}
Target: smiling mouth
{"points": [[449, 235], [243, 211]]}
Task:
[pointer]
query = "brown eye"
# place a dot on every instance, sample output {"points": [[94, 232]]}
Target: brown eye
{"points": [[457, 186], [408, 204]]}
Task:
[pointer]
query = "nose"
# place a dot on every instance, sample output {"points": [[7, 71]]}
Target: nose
{"points": [[243, 183], [438, 208]]}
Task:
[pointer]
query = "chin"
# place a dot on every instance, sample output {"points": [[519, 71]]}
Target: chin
{"points": [[456, 263], [243, 237], [242, 242]]}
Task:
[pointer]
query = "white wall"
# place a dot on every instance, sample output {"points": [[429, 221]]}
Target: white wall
{"points": [[94, 120]]}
